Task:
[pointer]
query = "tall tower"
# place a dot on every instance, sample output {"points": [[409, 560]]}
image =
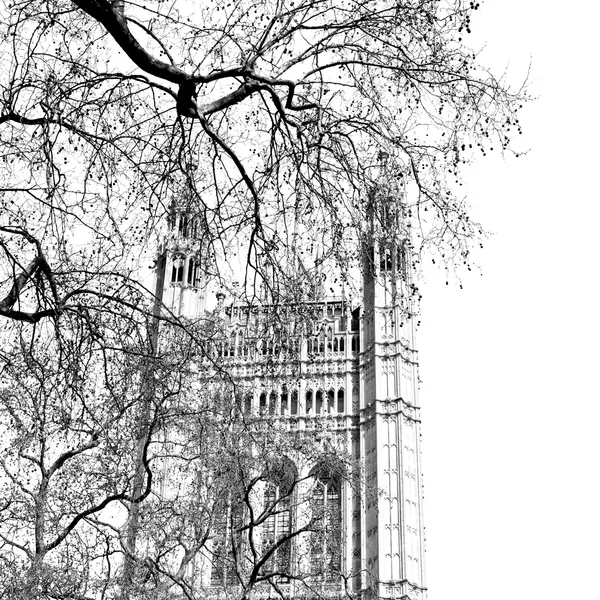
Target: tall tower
{"points": [[392, 529], [344, 379], [180, 283]]}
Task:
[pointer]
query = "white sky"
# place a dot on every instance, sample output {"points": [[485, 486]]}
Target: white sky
{"points": [[510, 363]]}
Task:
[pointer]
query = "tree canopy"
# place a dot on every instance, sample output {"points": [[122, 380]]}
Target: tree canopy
{"points": [[264, 117], [265, 121]]}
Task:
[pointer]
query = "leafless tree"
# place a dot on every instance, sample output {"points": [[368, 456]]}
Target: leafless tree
{"points": [[257, 519], [270, 114], [226, 499], [268, 122]]}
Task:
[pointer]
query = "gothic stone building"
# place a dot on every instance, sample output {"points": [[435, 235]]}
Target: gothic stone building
{"points": [[356, 378]]}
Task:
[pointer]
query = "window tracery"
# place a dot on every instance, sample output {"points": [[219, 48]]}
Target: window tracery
{"points": [[177, 270], [277, 503], [326, 537], [227, 539]]}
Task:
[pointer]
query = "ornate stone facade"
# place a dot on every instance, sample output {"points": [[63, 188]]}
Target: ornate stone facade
{"points": [[349, 372]]}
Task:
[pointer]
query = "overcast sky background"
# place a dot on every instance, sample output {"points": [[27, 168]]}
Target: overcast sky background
{"points": [[511, 406]]}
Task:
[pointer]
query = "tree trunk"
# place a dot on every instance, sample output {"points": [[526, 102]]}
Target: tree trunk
{"points": [[133, 521]]}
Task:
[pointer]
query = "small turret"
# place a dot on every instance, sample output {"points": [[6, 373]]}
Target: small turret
{"points": [[386, 247], [184, 259]]}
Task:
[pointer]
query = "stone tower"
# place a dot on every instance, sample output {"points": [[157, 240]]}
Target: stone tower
{"points": [[355, 379], [179, 281], [393, 533]]}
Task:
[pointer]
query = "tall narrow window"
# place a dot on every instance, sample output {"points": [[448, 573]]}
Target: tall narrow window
{"points": [[277, 506], [219, 547], [401, 261], [193, 228], [284, 402], [318, 402], [330, 401], [389, 216], [385, 259], [326, 537], [226, 543], [194, 273], [309, 402], [178, 265], [183, 224], [242, 345], [340, 403]]}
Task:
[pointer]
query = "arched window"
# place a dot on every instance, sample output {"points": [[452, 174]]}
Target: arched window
{"points": [[335, 345], [341, 409], [401, 261], [294, 409], [317, 345], [309, 402], [248, 403], [194, 274], [326, 537], [318, 402], [272, 403], [281, 478], [341, 344], [385, 259], [262, 404], [354, 344], [229, 346], [183, 224], [388, 214], [343, 323], [178, 265], [226, 542], [330, 401], [284, 410], [193, 228]]}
